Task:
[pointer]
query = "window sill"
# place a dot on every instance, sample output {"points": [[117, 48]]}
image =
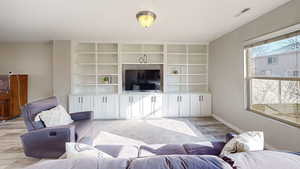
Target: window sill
{"points": [[274, 117]]}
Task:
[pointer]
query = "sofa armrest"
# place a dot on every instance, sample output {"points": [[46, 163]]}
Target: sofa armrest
{"points": [[48, 142], [85, 115]]}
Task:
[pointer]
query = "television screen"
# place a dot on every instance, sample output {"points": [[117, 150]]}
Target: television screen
{"points": [[142, 80]]}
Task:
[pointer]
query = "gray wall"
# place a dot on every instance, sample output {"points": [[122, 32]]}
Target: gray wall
{"points": [[31, 58], [226, 77], [62, 70]]}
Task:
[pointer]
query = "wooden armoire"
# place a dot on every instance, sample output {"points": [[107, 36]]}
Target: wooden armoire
{"points": [[13, 95]]}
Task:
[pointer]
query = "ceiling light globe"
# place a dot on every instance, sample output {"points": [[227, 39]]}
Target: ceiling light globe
{"points": [[146, 18]]}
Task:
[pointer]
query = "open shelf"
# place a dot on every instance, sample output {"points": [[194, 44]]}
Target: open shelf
{"points": [[94, 62], [190, 64]]}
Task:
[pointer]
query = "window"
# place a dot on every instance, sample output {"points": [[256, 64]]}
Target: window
{"points": [[273, 78], [272, 60]]}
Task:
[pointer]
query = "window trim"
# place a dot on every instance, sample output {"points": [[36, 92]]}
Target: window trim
{"points": [[268, 38]]}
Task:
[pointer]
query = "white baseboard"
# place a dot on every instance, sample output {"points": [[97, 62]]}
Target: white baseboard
{"points": [[237, 129]]}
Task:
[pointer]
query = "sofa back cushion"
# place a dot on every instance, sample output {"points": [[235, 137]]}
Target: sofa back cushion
{"points": [[56, 116]]}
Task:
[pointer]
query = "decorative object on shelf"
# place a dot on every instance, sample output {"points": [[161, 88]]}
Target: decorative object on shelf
{"points": [[175, 72], [146, 18], [142, 59], [106, 80]]}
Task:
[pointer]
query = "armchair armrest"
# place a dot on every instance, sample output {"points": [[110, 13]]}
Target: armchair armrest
{"points": [[48, 142], [85, 115]]}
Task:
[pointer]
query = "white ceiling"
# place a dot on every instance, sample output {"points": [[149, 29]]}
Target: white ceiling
{"points": [[114, 20]]}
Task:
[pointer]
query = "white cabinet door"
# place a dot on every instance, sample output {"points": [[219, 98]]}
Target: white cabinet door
{"points": [[173, 105], [147, 104], [74, 104], [157, 109], [100, 107], [152, 106], [206, 105], [87, 103], [195, 105], [184, 107], [136, 107], [112, 105], [125, 107]]}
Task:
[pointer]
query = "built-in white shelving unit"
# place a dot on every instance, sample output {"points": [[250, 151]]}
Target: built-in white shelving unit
{"points": [[187, 68], [184, 66], [184, 79], [92, 62]]}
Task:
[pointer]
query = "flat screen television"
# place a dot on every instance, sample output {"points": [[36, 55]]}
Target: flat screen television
{"points": [[142, 80]]}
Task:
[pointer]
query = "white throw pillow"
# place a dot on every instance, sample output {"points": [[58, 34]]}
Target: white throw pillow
{"points": [[248, 141], [79, 150], [56, 116]]}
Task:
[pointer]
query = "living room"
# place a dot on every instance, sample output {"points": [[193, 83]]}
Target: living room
{"points": [[149, 81]]}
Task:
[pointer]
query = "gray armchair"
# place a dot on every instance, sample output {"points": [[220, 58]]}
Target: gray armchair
{"points": [[49, 142]]}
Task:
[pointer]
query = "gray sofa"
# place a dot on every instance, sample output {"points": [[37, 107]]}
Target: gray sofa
{"points": [[49, 142]]}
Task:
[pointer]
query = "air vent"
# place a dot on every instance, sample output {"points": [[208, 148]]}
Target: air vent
{"points": [[242, 12]]}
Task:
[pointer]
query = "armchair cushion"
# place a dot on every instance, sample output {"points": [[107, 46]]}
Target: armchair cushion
{"points": [[48, 142], [54, 117]]}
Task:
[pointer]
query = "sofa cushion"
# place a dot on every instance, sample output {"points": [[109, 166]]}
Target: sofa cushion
{"points": [[161, 149], [204, 148], [119, 151], [247, 141]]}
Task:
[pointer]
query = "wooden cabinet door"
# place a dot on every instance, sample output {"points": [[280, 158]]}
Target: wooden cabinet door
{"points": [[173, 105], [195, 101], [184, 107]]}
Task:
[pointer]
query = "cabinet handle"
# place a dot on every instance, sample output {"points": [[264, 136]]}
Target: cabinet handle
{"points": [[180, 98], [199, 98], [154, 99], [177, 98], [130, 99], [202, 98], [102, 99], [78, 99], [105, 99]]}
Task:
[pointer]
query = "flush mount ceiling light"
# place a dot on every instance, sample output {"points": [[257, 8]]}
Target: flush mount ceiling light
{"points": [[146, 18]]}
